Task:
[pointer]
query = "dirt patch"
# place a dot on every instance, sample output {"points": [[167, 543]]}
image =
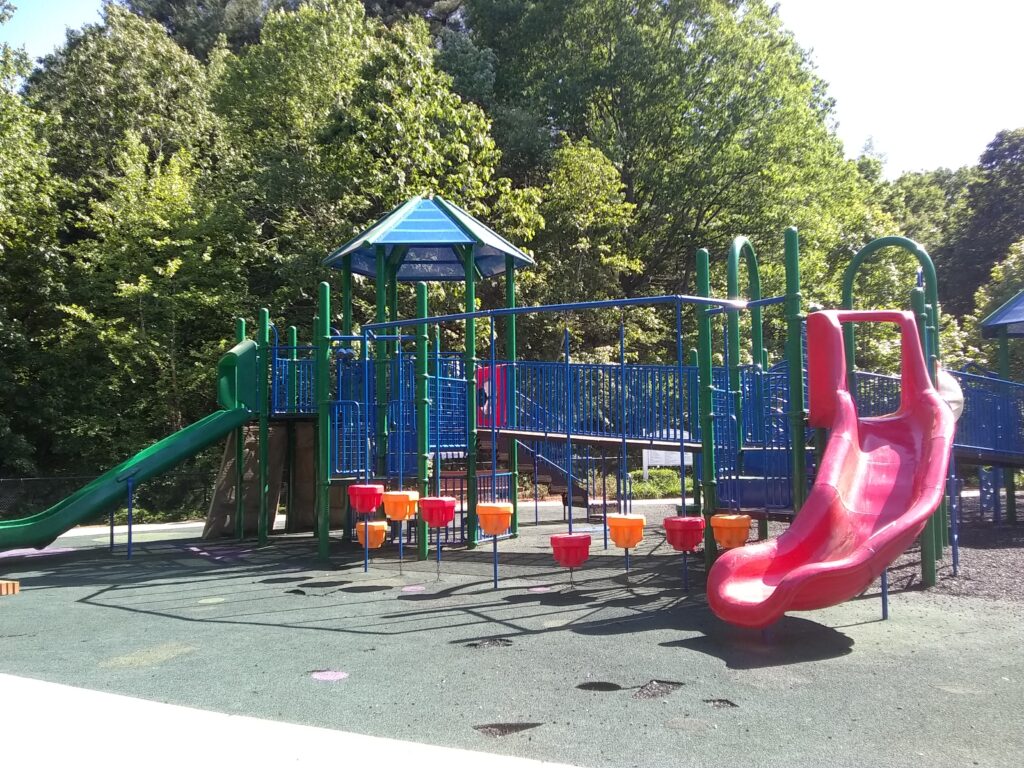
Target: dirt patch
{"points": [[721, 703], [491, 642], [656, 689], [504, 729]]}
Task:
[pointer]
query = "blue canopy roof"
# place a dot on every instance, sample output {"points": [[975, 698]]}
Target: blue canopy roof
{"points": [[429, 236], [1009, 316]]}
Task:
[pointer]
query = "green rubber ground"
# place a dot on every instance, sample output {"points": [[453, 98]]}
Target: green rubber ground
{"points": [[230, 628]]}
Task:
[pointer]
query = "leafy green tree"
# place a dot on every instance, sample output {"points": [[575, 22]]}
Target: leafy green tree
{"points": [[583, 252], [121, 76], [996, 200], [197, 24], [439, 13], [334, 120], [710, 112], [30, 272], [151, 306]]}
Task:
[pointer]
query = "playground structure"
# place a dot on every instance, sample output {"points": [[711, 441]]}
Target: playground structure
{"points": [[390, 408]]}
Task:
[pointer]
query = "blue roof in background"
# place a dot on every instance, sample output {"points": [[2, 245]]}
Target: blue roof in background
{"points": [[1009, 316], [427, 233]]}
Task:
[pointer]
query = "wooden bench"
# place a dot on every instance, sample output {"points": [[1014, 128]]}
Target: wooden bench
{"points": [[9, 588]]}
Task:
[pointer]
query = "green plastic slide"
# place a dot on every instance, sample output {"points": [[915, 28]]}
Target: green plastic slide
{"points": [[236, 388]]}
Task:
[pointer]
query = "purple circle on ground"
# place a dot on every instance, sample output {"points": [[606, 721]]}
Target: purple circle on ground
{"points": [[328, 675], [539, 589], [414, 588]]}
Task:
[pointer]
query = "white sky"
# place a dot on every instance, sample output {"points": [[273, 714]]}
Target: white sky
{"points": [[930, 81]]}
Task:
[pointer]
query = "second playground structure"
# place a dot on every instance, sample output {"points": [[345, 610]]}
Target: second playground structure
{"points": [[387, 404]]}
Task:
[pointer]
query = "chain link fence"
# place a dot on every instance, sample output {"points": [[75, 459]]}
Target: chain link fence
{"points": [[173, 496]]}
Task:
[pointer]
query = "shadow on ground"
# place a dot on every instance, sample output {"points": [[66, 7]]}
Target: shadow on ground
{"points": [[276, 586]]}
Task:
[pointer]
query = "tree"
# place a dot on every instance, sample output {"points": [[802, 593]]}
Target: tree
{"points": [[335, 119], [121, 76], [151, 304], [30, 279], [710, 112], [996, 221], [196, 24]]}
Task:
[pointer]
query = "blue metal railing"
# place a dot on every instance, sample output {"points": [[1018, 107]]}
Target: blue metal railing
{"points": [[291, 380]]}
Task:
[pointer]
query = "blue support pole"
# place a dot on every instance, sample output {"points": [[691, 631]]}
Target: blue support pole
{"points": [[494, 421], [366, 543], [682, 408], [885, 594], [622, 425], [401, 416], [364, 354], [494, 539], [131, 502], [437, 419]]}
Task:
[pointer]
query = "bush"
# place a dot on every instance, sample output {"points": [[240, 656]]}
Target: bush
{"points": [[661, 483]]}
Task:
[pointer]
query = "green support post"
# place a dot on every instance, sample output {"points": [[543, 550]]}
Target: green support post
{"points": [[240, 456], [926, 308], [380, 352], [293, 399], [470, 367], [742, 247], [422, 415], [322, 340], [704, 404], [263, 523], [393, 311], [931, 538], [511, 382], [1010, 481], [795, 359]]}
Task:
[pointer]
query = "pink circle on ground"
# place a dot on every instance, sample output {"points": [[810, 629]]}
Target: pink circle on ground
{"points": [[329, 675], [414, 588], [539, 589]]}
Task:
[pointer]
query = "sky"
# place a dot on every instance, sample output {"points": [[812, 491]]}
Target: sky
{"points": [[928, 82]]}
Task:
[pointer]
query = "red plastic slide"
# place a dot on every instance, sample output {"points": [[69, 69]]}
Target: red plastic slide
{"points": [[879, 481]]}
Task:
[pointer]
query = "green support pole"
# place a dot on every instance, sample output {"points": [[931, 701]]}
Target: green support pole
{"points": [[293, 398], [323, 420], [931, 538], [704, 403], [422, 415], [263, 523], [742, 247], [380, 352], [470, 368], [795, 358], [1010, 481], [926, 308], [240, 456], [511, 381], [393, 309]]}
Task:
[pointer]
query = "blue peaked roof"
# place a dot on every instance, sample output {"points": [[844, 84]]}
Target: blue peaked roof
{"points": [[1010, 316], [429, 235]]}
